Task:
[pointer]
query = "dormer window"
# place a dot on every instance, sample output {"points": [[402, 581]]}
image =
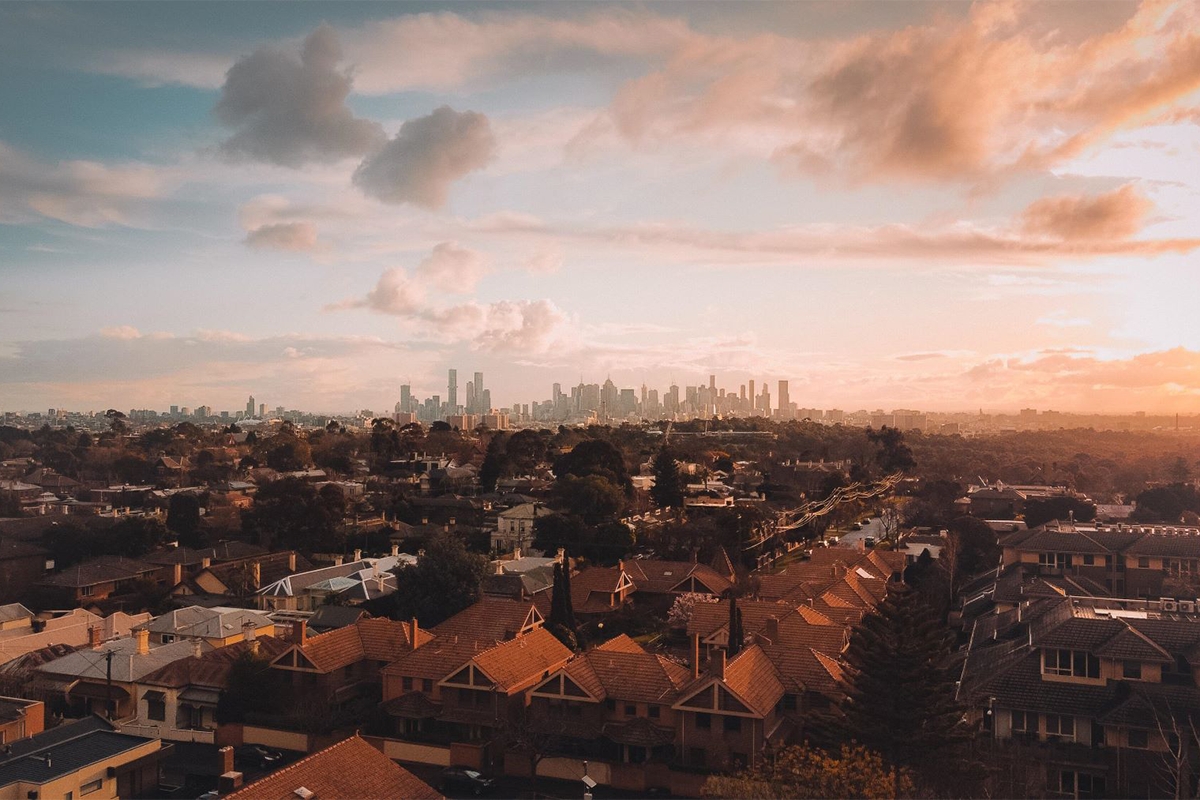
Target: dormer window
{"points": [[1131, 670], [1070, 663]]}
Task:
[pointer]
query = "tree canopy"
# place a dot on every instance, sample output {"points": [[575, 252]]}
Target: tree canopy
{"points": [[803, 772]]}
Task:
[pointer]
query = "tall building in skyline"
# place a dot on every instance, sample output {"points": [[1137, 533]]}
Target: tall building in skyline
{"points": [[785, 402], [452, 391], [406, 397], [250, 406]]}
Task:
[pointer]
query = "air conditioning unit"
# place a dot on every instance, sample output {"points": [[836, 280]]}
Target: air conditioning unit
{"points": [[1169, 605], [1187, 606]]}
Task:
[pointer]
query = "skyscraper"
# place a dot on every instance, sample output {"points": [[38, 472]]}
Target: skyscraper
{"points": [[405, 397], [480, 408], [250, 406], [785, 402], [452, 391]]}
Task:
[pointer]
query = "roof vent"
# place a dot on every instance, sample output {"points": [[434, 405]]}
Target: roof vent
{"points": [[304, 793]]}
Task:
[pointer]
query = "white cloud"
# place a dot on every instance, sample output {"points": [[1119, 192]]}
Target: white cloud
{"points": [[453, 269], [299, 237]]}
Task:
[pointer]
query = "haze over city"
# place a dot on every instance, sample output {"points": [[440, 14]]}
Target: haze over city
{"points": [[941, 206]]}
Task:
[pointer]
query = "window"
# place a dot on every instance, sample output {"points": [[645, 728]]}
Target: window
{"points": [[1024, 722], [733, 724], [1132, 670], [1077, 663], [704, 721], [1054, 560], [1089, 560], [630, 710], [427, 685], [610, 705], [789, 702], [654, 711], [168, 638], [1143, 563], [1061, 726], [407, 684], [1139, 739], [86, 591], [156, 710], [92, 786]]}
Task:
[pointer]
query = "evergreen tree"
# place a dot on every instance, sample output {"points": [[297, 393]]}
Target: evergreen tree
{"points": [[668, 486], [561, 621], [494, 463], [900, 691], [736, 633]]}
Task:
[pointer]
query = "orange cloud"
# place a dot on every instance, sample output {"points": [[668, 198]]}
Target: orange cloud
{"points": [[1118, 214]]}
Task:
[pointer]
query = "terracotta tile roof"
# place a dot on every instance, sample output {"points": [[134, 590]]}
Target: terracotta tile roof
{"points": [[621, 644], [211, 669], [592, 589], [349, 770], [517, 663], [659, 577], [752, 676], [457, 640], [636, 677], [708, 618], [100, 570], [374, 639]]}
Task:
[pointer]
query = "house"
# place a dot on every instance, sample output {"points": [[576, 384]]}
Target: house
{"points": [[86, 758], [520, 578], [304, 591], [613, 702], [99, 579], [1091, 694], [663, 581], [350, 770], [240, 578], [20, 718], [180, 562], [595, 590], [841, 584], [345, 664], [514, 526], [70, 629], [218, 627], [413, 691], [82, 683], [178, 701]]}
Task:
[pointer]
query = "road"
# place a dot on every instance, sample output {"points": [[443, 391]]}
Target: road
{"points": [[873, 529]]}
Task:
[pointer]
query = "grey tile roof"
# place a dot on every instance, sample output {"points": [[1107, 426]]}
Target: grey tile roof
{"points": [[63, 750]]}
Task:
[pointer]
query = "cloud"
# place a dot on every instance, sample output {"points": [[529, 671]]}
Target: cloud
{"points": [[292, 111], [83, 193], [426, 156], [297, 237], [920, 356], [453, 269], [121, 332], [1118, 214], [544, 262], [396, 293]]}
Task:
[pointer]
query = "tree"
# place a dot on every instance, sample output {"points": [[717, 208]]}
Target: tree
{"points": [[892, 453], [1040, 511], [592, 497], [290, 513], [443, 582], [737, 634], [183, 519], [495, 461], [116, 421], [595, 457], [1180, 471], [561, 621], [684, 606], [526, 449], [251, 689], [900, 691], [668, 485], [803, 772]]}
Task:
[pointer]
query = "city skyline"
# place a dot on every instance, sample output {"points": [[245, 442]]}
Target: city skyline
{"points": [[889, 205]]}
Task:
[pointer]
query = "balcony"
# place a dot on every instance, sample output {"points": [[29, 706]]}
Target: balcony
{"points": [[199, 735]]}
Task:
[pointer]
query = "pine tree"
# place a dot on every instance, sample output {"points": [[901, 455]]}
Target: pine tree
{"points": [[561, 621], [900, 691], [668, 486], [736, 633]]}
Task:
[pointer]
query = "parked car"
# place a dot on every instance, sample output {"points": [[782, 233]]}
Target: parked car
{"points": [[459, 779], [258, 755], [856, 527], [869, 541]]}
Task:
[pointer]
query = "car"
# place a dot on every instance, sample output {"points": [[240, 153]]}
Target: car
{"points": [[856, 527], [257, 754], [461, 779], [211, 794], [869, 541], [866, 521]]}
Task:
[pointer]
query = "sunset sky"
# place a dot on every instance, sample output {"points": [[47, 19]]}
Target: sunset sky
{"points": [[940, 206]]}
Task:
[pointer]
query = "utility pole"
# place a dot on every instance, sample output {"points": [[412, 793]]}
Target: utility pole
{"points": [[108, 703]]}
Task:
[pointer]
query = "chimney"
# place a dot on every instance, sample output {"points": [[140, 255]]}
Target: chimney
{"points": [[395, 550], [197, 647], [452, 522], [695, 555], [177, 575], [205, 562], [771, 631], [229, 782], [561, 555], [499, 567], [416, 629], [225, 760], [291, 561], [143, 641], [300, 631], [339, 560], [249, 631], [424, 520], [717, 663], [379, 578], [358, 555], [256, 574], [95, 636], [621, 565], [516, 553], [695, 655]]}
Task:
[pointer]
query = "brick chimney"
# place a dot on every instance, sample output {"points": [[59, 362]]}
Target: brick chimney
{"points": [[143, 641], [229, 782], [771, 631], [225, 760], [415, 630], [177, 575], [395, 550], [256, 574], [300, 631], [249, 631], [291, 561], [358, 555], [205, 562], [717, 664], [197, 647], [95, 636], [695, 655]]}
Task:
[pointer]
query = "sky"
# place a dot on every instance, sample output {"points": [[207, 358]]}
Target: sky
{"points": [[942, 206]]}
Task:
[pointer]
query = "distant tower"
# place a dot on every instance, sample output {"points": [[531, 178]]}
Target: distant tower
{"points": [[250, 406], [480, 407], [784, 401], [406, 397], [452, 391]]}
